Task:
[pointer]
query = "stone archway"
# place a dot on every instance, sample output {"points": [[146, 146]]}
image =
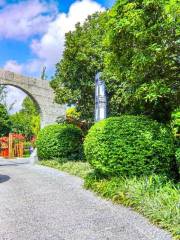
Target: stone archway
{"points": [[40, 91]]}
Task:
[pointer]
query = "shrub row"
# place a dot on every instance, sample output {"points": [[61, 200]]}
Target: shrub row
{"points": [[131, 146], [60, 141], [117, 146]]}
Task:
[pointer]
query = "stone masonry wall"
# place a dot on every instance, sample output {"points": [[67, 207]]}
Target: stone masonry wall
{"points": [[40, 91]]}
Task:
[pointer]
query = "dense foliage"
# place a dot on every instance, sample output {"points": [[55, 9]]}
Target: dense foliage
{"points": [[178, 158], [135, 45], [143, 62], [176, 121], [83, 57], [27, 120], [5, 123], [29, 107], [130, 145], [74, 117], [60, 141]]}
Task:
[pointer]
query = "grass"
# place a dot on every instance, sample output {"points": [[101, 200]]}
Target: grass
{"points": [[155, 197], [77, 168]]}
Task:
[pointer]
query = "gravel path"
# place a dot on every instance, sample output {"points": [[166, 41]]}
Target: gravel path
{"points": [[39, 203]]}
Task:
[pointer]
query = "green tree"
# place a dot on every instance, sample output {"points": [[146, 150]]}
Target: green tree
{"points": [[135, 45], [27, 121], [142, 65], [5, 123], [83, 57], [21, 123], [176, 121], [29, 107], [3, 98], [35, 124]]}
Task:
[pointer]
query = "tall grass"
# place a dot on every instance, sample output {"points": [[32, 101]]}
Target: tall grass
{"points": [[77, 168], [155, 197]]}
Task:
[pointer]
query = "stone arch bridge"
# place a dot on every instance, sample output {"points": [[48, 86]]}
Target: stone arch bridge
{"points": [[40, 92]]}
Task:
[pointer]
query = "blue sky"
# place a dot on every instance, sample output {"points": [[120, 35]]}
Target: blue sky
{"points": [[21, 34], [32, 34]]}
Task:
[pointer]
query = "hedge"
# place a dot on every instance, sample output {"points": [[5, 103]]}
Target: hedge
{"points": [[130, 145], [60, 141]]}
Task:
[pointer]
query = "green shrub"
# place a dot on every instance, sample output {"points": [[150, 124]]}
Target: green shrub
{"points": [[60, 141], [130, 145], [178, 158], [27, 144]]}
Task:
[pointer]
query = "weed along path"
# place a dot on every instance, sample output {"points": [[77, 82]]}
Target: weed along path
{"points": [[39, 203]]}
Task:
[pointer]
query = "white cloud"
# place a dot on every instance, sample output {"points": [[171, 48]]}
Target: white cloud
{"points": [[28, 68], [26, 18], [15, 97], [13, 66], [34, 67], [34, 17], [49, 48]]}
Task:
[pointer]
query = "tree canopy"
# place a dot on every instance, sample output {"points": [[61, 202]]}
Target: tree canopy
{"points": [[27, 120], [83, 57], [135, 45], [5, 123], [29, 107], [142, 66]]}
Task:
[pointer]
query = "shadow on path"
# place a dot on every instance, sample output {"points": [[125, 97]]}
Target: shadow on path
{"points": [[12, 164], [4, 178]]}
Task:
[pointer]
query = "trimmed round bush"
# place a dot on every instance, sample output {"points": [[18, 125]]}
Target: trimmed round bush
{"points": [[130, 146], [60, 141]]}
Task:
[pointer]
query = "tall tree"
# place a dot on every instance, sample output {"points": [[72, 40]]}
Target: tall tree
{"points": [[29, 107], [142, 69], [136, 46], [82, 59], [27, 121], [5, 123]]}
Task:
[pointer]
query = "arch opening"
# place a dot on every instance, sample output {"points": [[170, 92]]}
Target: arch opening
{"points": [[26, 93], [20, 117], [40, 91]]}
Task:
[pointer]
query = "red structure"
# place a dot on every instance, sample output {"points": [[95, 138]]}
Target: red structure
{"points": [[4, 150], [12, 146]]}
